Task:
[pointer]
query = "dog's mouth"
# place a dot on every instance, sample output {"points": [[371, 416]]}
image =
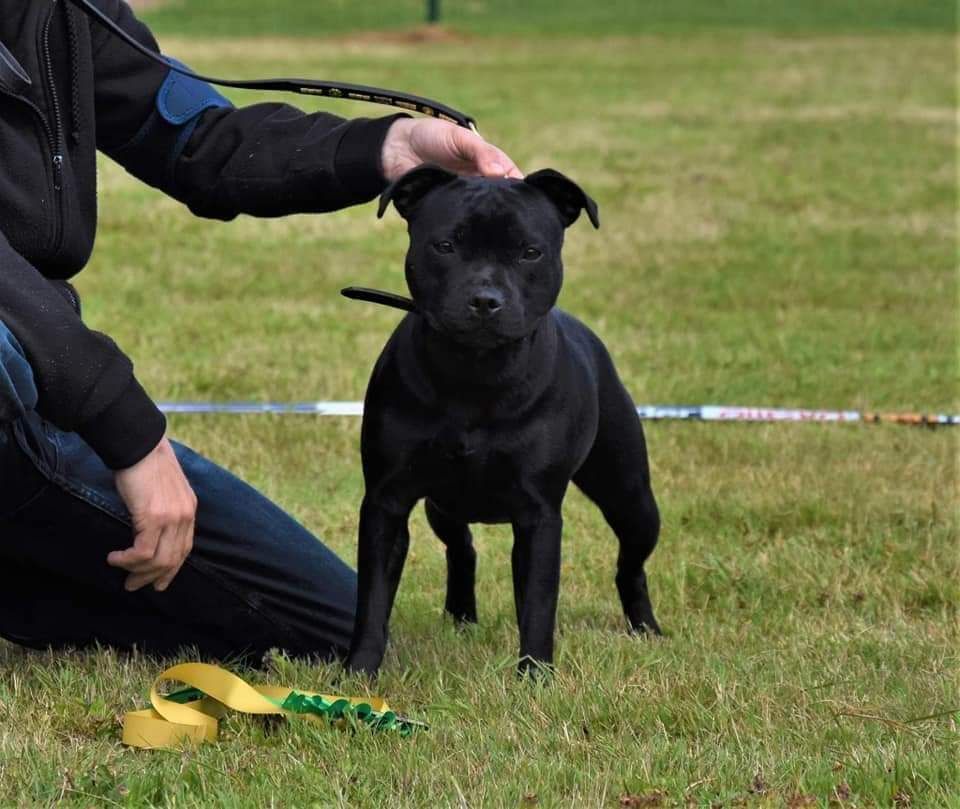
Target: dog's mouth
{"points": [[479, 335]]}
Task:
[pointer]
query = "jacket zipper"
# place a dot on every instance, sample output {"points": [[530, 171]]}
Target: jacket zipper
{"points": [[55, 136], [47, 131]]}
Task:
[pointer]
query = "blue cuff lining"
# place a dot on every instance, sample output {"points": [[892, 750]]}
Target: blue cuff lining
{"points": [[180, 98], [18, 390]]}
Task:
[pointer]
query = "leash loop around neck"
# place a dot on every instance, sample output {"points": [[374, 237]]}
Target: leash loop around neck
{"points": [[314, 87]]}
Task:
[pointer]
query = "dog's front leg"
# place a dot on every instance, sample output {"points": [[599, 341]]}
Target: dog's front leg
{"points": [[382, 552], [536, 584]]}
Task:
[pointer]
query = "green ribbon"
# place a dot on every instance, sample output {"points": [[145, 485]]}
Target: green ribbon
{"points": [[331, 711], [344, 709]]}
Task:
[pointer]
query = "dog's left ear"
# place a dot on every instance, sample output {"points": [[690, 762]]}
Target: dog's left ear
{"points": [[406, 191], [569, 197]]}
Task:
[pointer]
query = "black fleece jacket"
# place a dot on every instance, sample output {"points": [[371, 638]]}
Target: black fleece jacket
{"points": [[91, 91]]}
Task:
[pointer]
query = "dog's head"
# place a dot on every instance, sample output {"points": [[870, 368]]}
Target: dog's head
{"points": [[484, 260]]}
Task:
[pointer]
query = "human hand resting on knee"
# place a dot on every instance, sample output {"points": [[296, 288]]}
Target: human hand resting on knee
{"points": [[163, 508]]}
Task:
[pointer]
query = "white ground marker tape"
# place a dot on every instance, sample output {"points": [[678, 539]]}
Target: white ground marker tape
{"points": [[646, 412]]}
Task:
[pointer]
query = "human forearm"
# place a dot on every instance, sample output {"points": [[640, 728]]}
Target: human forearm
{"points": [[181, 136], [273, 159], [84, 382]]}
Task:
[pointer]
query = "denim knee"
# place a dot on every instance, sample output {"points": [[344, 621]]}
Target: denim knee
{"points": [[18, 391]]}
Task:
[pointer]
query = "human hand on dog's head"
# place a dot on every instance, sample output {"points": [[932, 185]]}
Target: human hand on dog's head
{"points": [[411, 142]]}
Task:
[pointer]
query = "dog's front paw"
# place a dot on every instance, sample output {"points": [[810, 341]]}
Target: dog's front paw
{"points": [[463, 612], [646, 627], [365, 663], [529, 667]]}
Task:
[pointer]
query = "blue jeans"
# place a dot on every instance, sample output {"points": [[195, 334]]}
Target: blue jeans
{"points": [[256, 578]]}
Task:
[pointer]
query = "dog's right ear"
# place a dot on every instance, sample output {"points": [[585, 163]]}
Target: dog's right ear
{"points": [[408, 190]]}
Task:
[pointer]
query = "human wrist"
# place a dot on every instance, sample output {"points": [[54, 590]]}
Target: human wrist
{"points": [[127, 429], [161, 450], [358, 162], [396, 148]]}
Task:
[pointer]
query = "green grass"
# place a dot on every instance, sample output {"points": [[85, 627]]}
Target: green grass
{"points": [[778, 229], [539, 17]]}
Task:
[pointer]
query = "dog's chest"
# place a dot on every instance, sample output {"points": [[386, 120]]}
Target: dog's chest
{"points": [[471, 474]]}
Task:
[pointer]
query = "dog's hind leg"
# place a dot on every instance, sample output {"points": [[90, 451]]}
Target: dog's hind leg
{"points": [[461, 600], [616, 477]]}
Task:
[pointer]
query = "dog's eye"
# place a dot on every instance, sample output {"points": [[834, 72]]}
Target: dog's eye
{"points": [[531, 254], [443, 247]]}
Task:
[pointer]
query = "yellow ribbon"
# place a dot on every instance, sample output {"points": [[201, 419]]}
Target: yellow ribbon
{"points": [[173, 724]]}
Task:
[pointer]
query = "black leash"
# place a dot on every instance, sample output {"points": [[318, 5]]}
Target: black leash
{"points": [[313, 87], [377, 296]]}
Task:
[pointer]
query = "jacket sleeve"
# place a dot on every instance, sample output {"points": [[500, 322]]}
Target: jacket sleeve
{"points": [[84, 383], [183, 137]]}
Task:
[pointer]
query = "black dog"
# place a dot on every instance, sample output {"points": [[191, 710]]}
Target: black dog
{"points": [[487, 401]]}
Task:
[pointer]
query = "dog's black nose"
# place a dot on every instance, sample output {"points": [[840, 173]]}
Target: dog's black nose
{"points": [[486, 302]]}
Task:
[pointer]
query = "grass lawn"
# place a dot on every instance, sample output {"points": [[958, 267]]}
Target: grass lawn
{"points": [[778, 229]]}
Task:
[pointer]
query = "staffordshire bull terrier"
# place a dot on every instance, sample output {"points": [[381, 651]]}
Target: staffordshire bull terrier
{"points": [[487, 401]]}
